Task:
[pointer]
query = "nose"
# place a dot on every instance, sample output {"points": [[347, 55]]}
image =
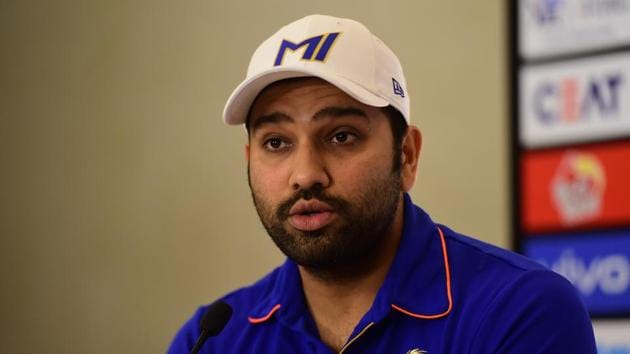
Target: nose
{"points": [[309, 169]]}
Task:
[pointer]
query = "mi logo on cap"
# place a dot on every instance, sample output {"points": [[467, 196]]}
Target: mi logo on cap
{"points": [[316, 47], [398, 89]]}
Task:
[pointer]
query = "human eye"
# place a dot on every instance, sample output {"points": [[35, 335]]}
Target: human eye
{"points": [[274, 144], [343, 137]]}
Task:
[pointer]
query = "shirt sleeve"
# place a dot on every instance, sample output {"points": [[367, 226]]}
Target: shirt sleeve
{"points": [[539, 312], [186, 337]]}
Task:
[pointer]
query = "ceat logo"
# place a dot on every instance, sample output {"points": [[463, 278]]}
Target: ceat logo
{"points": [[570, 100], [578, 187]]}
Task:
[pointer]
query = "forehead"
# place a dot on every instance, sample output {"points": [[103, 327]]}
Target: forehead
{"points": [[303, 95]]}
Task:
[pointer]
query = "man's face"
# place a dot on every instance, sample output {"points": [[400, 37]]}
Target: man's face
{"points": [[320, 172]]}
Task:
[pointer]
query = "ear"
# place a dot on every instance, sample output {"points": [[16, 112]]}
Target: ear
{"points": [[247, 152], [412, 144]]}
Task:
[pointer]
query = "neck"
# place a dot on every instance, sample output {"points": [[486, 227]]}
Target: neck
{"points": [[338, 300]]}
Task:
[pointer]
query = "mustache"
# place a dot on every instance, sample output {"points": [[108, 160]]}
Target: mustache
{"points": [[316, 192]]}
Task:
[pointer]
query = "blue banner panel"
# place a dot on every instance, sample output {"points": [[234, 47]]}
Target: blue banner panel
{"points": [[597, 263]]}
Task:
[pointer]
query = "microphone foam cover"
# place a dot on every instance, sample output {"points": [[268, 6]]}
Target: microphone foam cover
{"points": [[216, 317]]}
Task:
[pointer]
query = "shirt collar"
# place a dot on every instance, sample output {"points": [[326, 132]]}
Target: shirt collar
{"points": [[285, 299], [417, 284]]}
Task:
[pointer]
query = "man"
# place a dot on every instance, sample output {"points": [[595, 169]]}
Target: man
{"points": [[330, 158]]}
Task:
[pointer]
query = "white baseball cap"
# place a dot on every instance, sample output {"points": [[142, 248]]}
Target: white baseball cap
{"points": [[341, 51]]}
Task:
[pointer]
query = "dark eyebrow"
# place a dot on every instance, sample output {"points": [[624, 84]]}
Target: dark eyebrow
{"points": [[275, 117], [334, 112], [339, 112]]}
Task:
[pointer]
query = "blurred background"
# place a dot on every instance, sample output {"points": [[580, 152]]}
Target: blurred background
{"points": [[124, 199]]}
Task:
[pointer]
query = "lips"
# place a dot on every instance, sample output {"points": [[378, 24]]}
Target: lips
{"points": [[310, 215]]}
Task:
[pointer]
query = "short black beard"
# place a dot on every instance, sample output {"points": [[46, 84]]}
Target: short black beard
{"points": [[344, 252]]}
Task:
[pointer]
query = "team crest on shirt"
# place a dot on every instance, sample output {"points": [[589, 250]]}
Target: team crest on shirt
{"points": [[417, 351]]}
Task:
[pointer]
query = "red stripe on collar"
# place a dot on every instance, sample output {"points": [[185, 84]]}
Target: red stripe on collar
{"points": [[253, 320], [448, 288]]}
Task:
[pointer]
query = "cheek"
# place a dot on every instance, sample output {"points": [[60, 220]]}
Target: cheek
{"points": [[353, 175], [266, 180]]}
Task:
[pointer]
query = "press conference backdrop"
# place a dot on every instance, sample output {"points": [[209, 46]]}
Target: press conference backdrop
{"points": [[571, 147]]}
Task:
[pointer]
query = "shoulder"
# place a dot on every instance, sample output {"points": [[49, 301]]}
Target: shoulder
{"points": [[484, 271], [539, 311], [468, 249], [479, 267], [245, 299], [520, 305]]}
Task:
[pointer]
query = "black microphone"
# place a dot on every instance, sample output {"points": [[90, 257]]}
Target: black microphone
{"points": [[212, 323]]}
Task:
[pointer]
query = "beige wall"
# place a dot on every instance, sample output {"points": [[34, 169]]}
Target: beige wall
{"points": [[124, 202]]}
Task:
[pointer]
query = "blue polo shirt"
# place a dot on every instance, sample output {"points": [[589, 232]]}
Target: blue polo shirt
{"points": [[444, 293]]}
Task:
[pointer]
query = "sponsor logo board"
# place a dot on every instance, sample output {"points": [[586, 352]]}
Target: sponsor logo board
{"points": [[577, 188], [555, 27], [575, 101], [596, 263]]}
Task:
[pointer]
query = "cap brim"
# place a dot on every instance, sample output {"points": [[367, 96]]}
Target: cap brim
{"points": [[237, 106]]}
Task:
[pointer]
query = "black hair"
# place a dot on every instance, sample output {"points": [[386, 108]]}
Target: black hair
{"points": [[398, 125]]}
